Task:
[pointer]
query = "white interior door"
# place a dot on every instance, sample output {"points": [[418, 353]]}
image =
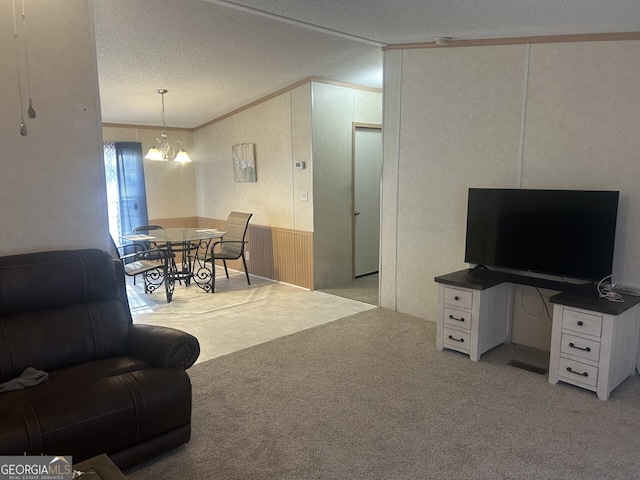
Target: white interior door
{"points": [[367, 160]]}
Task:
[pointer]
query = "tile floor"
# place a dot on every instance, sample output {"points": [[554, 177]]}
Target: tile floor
{"points": [[238, 315]]}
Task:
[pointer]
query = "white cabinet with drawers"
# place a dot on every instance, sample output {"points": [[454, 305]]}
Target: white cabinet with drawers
{"points": [[594, 342], [473, 320], [591, 349]]}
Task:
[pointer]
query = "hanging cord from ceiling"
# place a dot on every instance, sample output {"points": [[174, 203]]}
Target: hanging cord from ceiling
{"points": [[31, 112]]}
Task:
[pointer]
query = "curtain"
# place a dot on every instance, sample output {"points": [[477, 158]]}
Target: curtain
{"points": [[111, 175], [126, 195], [132, 196]]}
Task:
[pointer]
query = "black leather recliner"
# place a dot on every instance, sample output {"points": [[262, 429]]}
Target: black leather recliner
{"points": [[114, 387]]}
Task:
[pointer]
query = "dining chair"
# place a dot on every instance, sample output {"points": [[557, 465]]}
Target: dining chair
{"points": [[231, 246], [155, 272], [183, 250], [150, 246]]}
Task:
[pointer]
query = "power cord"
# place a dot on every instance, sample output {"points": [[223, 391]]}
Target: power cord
{"points": [[604, 292], [544, 303], [546, 307]]}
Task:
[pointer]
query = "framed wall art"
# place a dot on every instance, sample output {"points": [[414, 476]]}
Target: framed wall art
{"points": [[244, 162]]}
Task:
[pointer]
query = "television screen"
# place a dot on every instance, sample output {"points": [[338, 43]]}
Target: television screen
{"points": [[568, 233]]}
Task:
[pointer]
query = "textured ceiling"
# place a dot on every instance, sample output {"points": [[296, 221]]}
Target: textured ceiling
{"points": [[215, 56]]}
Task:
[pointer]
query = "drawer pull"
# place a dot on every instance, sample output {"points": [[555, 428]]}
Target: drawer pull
{"points": [[584, 349], [580, 323], [461, 340], [461, 319], [583, 374], [456, 298]]}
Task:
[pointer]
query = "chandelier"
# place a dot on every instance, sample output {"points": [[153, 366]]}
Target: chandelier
{"points": [[161, 151]]}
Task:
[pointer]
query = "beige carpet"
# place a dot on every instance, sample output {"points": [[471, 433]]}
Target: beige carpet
{"points": [[369, 397]]}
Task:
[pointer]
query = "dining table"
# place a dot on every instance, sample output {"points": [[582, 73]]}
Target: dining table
{"points": [[187, 250]]}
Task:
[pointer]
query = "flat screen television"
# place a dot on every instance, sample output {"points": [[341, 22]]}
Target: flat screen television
{"points": [[567, 233]]}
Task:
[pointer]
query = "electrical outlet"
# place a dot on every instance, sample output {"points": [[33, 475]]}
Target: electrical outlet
{"points": [[246, 255]]}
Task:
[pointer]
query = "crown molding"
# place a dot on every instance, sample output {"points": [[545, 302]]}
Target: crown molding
{"points": [[487, 42], [147, 127], [253, 104], [285, 90]]}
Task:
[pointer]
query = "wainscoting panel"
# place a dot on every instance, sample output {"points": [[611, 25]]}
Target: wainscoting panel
{"points": [[277, 253]]}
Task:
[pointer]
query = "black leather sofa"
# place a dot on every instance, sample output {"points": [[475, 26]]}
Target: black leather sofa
{"points": [[113, 387]]}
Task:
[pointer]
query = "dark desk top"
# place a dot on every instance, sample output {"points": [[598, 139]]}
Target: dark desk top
{"points": [[595, 304], [463, 278]]}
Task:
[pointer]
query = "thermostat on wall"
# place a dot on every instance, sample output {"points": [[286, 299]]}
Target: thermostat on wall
{"points": [[300, 165]]}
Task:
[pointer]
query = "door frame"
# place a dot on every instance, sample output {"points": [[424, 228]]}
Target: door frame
{"points": [[354, 126]]}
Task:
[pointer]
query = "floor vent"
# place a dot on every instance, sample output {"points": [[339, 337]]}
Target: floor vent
{"points": [[527, 366]]}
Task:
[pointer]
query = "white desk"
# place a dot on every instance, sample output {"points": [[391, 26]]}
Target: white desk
{"points": [[594, 342]]}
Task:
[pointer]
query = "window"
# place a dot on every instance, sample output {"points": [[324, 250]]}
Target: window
{"points": [[126, 194]]}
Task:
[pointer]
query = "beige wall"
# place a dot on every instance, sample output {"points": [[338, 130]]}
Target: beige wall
{"points": [[52, 193], [170, 186], [273, 199], [311, 123], [335, 110], [559, 115]]}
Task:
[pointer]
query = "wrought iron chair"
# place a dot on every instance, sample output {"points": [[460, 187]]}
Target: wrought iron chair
{"points": [[157, 250], [155, 272], [150, 246], [231, 246]]}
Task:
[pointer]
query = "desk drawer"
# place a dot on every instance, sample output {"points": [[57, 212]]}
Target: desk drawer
{"points": [[458, 297], [578, 372], [582, 322], [457, 318], [456, 340], [580, 347]]}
